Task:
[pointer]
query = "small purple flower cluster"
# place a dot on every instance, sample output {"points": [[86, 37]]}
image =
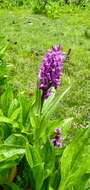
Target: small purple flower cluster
{"points": [[51, 70], [57, 141]]}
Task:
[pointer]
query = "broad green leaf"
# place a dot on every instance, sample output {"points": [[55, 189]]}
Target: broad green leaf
{"points": [[29, 155], [37, 104], [34, 119], [16, 139], [48, 101], [48, 155], [35, 110], [7, 120], [15, 114], [13, 106], [13, 124], [6, 100], [38, 173], [44, 131], [55, 178], [75, 162], [4, 119], [52, 104], [7, 151], [33, 156], [25, 109], [36, 165], [10, 155]]}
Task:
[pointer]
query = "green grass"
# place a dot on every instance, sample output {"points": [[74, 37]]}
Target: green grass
{"points": [[29, 36]]}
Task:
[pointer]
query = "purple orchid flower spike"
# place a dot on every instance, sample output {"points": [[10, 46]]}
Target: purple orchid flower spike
{"points": [[51, 70]]}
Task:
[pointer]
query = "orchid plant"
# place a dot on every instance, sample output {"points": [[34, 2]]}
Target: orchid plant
{"points": [[35, 151]]}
